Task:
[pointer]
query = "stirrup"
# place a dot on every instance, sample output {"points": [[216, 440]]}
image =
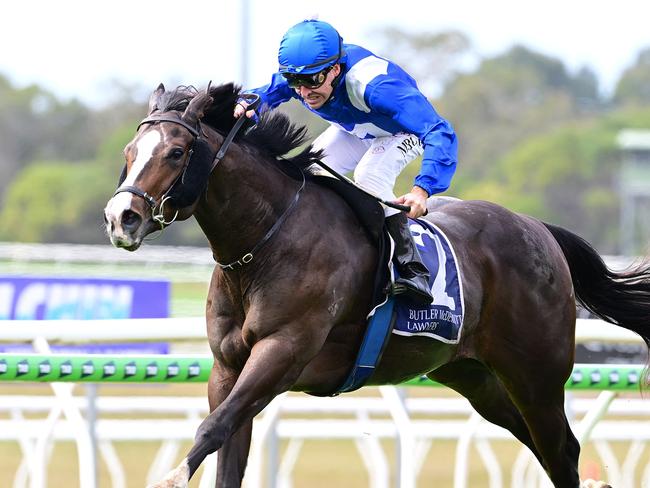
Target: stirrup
{"points": [[398, 289], [417, 296]]}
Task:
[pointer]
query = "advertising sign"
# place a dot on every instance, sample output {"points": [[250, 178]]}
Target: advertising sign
{"points": [[30, 298], [36, 298]]}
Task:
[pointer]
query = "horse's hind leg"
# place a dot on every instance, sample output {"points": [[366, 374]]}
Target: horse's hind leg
{"points": [[540, 425], [487, 395], [539, 397], [552, 435]]}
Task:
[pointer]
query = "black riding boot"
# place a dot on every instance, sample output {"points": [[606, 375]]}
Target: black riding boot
{"points": [[413, 274]]}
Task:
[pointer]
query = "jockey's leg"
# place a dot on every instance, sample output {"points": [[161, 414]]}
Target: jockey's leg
{"points": [[413, 274], [377, 172], [341, 150]]}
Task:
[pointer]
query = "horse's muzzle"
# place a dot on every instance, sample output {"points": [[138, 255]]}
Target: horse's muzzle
{"points": [[124, 226]]}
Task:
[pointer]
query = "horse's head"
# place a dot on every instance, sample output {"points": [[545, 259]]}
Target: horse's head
{"points": [[167, 167]]}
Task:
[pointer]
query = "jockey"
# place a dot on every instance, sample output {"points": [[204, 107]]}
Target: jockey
{"points": [[380, 122]]}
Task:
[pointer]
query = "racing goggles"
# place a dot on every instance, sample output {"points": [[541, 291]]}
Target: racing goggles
{"points": [[311, 81]]}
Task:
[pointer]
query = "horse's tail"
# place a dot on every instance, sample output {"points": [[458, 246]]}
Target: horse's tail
{"points": [[621, 298]]}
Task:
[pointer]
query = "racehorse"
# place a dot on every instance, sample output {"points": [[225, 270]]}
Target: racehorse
{"points": [[293, 285]]}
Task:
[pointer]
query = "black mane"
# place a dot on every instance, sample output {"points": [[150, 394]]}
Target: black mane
{"points": [[274, 135]]}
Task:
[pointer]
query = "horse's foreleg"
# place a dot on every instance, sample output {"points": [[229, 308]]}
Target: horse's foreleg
{"points": [[233, 456], [275, 363], [234, 452]]}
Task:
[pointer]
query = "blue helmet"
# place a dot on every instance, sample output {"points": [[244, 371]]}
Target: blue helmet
{"points": [[310, 47]]}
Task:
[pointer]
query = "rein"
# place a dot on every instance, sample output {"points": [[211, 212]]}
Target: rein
{"points": [[248, 257]]}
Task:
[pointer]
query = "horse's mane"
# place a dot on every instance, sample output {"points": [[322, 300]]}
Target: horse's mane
{"points": [[273, 136]]}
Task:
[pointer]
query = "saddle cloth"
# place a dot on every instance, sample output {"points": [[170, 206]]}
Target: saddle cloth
{"points": [[443, 319]]}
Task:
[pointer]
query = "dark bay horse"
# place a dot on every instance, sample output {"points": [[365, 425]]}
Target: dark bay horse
{"points": [[289, 296]]}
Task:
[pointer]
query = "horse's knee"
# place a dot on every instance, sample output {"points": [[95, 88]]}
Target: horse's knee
{"points": [[572, 445]]}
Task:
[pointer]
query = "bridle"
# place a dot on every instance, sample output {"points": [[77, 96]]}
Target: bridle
{"points": [[253, 101], [158, 216]]}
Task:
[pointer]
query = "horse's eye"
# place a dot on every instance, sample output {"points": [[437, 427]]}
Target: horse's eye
{"points": [[176, 154]]}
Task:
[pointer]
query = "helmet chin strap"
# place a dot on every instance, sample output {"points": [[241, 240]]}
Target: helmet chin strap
{"points": [[337, 78], [335, 81]]}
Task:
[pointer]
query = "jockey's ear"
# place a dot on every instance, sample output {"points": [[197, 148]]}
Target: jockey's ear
{"points": [[155, 96]]}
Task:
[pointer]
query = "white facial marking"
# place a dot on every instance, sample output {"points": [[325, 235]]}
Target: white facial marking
{"points": [[145, 147], [117, 205], [122, 201]]}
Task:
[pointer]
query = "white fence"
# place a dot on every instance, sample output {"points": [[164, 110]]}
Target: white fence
{"points": [[363, 420]]}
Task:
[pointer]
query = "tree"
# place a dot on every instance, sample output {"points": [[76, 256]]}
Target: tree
{"points": [[509, 98], [432, 59], [634, 86], [36, 126], [568, 176], [51, 201]]}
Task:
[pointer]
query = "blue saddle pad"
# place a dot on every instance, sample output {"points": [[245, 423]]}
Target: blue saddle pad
{"points": [[443, 319]]}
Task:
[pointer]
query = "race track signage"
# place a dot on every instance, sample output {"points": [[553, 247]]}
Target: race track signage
{"points": [[30, 298]]}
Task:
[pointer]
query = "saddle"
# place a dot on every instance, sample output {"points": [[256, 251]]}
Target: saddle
{"points": [[442, 320], [371, 216]]}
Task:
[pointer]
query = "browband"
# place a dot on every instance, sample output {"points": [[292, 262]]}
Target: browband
{"points": [[152, 119]]}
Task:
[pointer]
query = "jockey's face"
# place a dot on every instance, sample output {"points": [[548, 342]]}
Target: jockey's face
{"points": [[316, 97]]}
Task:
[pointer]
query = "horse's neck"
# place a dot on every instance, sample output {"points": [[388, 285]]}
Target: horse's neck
{"points": [[245, 197]]}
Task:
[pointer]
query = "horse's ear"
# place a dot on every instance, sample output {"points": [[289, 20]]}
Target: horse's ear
{"points": [[197, 107], [155, 96]]}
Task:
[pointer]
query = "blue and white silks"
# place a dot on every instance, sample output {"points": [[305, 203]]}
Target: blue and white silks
{"points": [[377, 98]]}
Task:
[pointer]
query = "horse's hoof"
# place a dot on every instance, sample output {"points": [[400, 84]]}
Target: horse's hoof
{"points": [[594, 484]]}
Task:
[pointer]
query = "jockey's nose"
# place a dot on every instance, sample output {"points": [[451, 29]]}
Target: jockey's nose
{"points": [[304, 91]]}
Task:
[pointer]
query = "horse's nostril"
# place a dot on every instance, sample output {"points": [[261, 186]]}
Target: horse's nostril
{"points": [[130, 220]]}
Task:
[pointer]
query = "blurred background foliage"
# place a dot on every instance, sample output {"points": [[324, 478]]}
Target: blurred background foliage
{"points": [[533, 136]]}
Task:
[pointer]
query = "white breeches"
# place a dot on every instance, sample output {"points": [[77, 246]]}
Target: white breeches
{"points": [[376, 162]]}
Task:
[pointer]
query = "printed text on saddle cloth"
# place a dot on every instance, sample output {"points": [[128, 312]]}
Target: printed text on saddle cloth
{"points": [[443, 319]]}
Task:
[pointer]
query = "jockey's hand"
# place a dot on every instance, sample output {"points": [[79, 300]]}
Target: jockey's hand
{"points": [[417, 200], [240, 108]]}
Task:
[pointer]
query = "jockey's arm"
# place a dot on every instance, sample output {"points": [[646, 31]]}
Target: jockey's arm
{"points": [[407, 106], [271, 95]]}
